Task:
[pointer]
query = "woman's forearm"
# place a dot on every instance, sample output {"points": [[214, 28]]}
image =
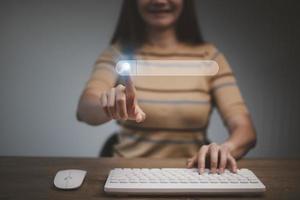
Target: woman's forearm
{"points": [[90, 111], [242, 135]]}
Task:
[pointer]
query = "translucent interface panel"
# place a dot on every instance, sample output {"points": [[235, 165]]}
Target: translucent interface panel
{"points": [[167, 68]]}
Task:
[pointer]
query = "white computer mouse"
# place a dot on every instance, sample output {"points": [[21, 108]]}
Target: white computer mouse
{"points": [[69, 179]]}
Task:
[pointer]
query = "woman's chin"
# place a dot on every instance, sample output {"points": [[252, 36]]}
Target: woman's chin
{"points": [[161, 24]]}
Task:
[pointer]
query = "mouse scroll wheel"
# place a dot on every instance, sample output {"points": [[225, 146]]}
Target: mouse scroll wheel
{"points": [[68, 177]]}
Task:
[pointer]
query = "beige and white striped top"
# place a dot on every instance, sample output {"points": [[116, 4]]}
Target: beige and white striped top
{"points": [[178, 108]]}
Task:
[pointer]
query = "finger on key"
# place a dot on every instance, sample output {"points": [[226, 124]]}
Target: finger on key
{"points": [[214, 153], [202, 157], [191, 161], [232, 162], [223, 160]]}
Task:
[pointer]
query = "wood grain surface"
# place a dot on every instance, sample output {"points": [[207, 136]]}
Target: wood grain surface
{"points": [[32, 177]]}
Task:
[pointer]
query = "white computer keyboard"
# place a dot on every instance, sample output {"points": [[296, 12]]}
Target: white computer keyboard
{"points": [[180, 181]]}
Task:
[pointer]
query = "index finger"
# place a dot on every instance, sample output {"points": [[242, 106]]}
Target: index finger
{"points": [[129, 86], [130, 93]]}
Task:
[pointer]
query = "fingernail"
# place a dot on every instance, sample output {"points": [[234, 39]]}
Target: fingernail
{"points": [[201, 170], [221, 170]]}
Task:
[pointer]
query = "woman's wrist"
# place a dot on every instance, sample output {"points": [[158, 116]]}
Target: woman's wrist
{"points": [[234, 149], [230, 145]]}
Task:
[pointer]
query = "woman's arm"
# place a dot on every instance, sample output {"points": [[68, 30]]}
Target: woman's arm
{"points": [[90, 110], [228, 99], [102, 79], [242, 135]]}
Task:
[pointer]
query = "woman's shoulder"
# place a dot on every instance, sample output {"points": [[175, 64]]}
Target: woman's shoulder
{"points": [[111, 52], [114, 49], [208, 48]]}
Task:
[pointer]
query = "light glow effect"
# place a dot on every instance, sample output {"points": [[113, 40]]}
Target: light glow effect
{"points": [[123, 68]]}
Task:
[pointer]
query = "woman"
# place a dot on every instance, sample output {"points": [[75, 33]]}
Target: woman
{"points": [[166, 116]]}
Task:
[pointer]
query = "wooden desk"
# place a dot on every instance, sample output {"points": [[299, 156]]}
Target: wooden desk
{"points": [[32, 178]]}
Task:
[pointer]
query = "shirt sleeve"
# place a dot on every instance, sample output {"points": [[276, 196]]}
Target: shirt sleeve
{"points": [[225, 91], [104, 76]]}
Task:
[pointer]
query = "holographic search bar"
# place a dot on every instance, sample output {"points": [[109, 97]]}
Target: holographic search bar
{"points": [[167, 68]]}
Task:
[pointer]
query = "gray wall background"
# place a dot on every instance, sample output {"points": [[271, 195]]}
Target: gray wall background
{"points": [[47, 50]]}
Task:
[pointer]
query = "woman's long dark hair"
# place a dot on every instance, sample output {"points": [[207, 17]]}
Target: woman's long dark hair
{"points": [[131, 29]]}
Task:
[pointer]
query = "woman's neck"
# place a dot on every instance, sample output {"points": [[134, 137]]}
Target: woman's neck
{"points": [[162, 38]]}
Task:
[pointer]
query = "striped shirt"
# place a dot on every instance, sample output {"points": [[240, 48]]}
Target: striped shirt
{"points": [[178, 108]]}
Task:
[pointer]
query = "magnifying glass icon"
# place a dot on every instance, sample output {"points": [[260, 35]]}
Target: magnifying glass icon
{"points": [[123, 68]]}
